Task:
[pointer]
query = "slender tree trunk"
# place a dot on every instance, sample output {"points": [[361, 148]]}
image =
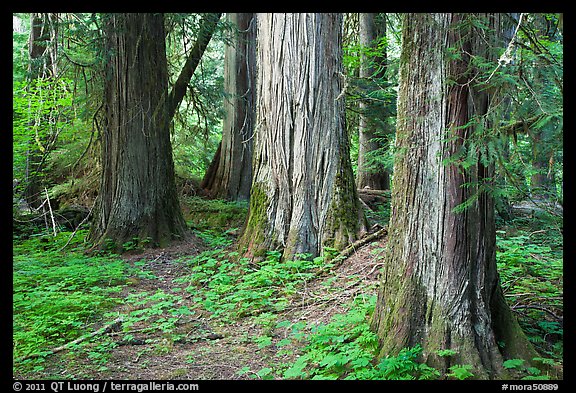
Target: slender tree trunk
{"points": [[137, 196], [42, 53], [207, 29], [303, 196], [230, 175], [542, 182], [440, 287], [370, 174]]}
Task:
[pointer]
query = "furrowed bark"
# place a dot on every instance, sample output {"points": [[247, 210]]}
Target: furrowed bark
{"points": [[137, 198], [230, 174], [303, 195], [440, 287]]}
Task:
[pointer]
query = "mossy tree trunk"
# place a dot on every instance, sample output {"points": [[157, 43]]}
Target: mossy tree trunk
{"points": [[303, 195], [440, 286], [230, 174], [137, 197]]}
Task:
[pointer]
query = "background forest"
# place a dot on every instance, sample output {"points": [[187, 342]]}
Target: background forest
{"points": [[180, 275]]}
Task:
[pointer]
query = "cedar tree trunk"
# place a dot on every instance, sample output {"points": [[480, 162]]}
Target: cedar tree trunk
{"points": [[303, 196], [440, 287], [230, 174], [137, 196]]}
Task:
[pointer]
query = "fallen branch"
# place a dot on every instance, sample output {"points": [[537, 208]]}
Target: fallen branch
{"points": [[51, 214], [364, 205], [537, 307], [370, 191], [374, 268], [104, 329], [78, 227], [351, 249], [345, 253]]}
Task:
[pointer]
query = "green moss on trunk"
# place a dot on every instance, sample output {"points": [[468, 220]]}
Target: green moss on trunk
{"points": [[345, 220], [253, 242]]}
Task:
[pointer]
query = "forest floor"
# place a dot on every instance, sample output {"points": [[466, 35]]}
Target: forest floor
{"points": [[199, 346], [221, 349], [190, 311]]}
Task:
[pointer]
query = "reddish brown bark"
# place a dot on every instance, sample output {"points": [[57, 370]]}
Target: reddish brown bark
{"points": [[440, 285], [137, 199]]}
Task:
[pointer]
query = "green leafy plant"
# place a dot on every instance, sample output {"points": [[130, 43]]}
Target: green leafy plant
{"points": [[345, 348], [214, 216], [532, 278], [446, 352], [136, 244], [526, 372], [460, 371], [59, 294], [233, 289]]}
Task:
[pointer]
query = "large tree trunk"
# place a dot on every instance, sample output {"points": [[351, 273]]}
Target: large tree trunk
{"points": [[303, 196], [369, 173], [440, 287], [137, 196], [230, 175]]}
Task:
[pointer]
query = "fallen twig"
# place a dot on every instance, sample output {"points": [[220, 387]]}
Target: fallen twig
{"points": [[51, 214], [375, 267], [78, 227]]}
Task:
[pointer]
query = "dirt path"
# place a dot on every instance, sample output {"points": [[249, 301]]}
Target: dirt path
{"points": [[209, 348]]}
